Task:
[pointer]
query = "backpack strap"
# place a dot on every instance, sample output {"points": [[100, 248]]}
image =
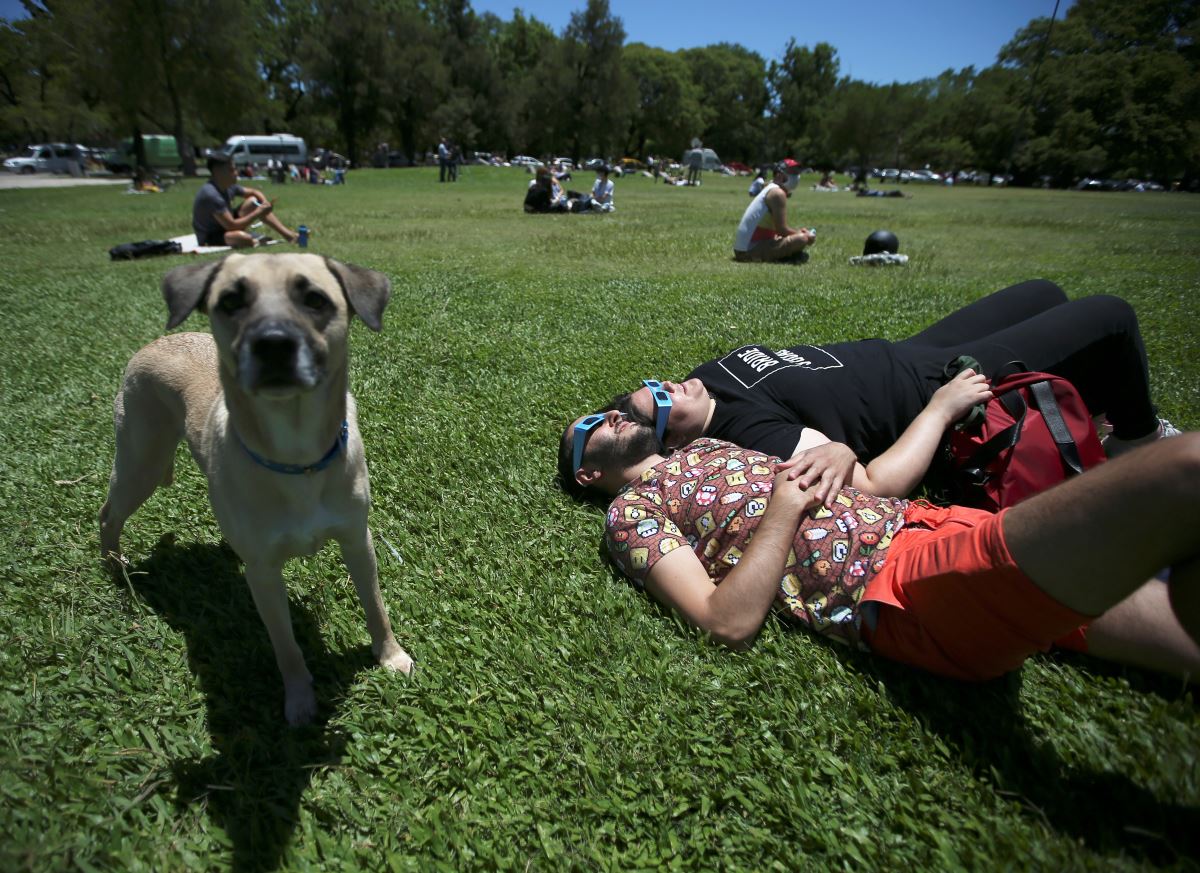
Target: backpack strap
{"points": [[1043, 396], [974, 469]]}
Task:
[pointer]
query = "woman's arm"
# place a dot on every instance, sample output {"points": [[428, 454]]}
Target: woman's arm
{"points": [[733, 611], [898, 470]]}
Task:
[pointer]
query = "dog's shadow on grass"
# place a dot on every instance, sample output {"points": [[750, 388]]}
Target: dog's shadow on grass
{"points": [[1108, 812], [253, 782]]}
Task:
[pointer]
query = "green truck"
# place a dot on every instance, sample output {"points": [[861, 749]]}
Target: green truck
{"points": [[162, 153]]}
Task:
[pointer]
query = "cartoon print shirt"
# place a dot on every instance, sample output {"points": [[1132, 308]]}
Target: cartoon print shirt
{"points": [[710, 495], [863, 394]]}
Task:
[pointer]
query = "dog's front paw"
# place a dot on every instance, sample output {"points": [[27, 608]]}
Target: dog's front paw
{"points": [[395, 658], [299, 703]]}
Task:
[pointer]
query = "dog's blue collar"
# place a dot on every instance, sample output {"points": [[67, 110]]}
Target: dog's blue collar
{"points": [[297, 469]]}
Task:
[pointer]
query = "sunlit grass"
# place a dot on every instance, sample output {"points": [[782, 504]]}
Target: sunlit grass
{"points": [[558, 719]]}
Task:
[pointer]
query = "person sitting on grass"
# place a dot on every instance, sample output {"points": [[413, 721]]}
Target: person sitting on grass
{"points": [[602, 191], [862, 395], [213, 216], [827, 183], [763, 233], [720, 534]]}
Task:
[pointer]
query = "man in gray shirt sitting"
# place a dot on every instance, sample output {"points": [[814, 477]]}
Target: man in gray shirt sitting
{"points": [[213, 216]]}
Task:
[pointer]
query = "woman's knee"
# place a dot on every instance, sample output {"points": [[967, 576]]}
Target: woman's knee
{"points": [[1115, 312], [1047, 293]]}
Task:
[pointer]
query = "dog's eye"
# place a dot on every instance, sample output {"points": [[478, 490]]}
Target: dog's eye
{"points": [[315, 300], [232, 301]]}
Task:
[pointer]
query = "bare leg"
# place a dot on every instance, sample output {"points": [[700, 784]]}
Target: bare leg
{"points": [[279, 227], [270, 596], [778, 249], [359, 555], [239, 239], [270, 219], [1090, 542], [1142, 630]]}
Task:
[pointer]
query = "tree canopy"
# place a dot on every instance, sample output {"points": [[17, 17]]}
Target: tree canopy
{"points": [[1111, 89]]}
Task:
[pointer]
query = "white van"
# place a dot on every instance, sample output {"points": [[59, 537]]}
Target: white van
{"points": [[258, 149]]}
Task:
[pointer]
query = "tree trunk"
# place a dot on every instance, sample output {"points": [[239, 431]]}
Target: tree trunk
{"points": [[139, 153]]}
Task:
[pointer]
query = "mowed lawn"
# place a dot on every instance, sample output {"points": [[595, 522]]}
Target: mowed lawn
{"points": [[558, 719]]}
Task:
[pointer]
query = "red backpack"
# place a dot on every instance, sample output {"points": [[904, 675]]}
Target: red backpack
{"points": [[1035, 432]]}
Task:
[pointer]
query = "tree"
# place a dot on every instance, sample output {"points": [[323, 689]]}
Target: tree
{"points": [[1114, 88], [42, 95], [861, 123], [527, 56], [596, 95], [344, 54], [732, 90], [800, 85], [668, 113]]}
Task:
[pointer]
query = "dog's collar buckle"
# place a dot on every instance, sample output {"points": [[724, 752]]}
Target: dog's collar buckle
{"points": [[339, 444]]}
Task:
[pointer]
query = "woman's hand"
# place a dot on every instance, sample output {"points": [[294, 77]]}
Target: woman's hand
{"points": [[955, 399]]}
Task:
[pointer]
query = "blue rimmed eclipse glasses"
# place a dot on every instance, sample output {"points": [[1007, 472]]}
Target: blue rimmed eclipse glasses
{"points": [[662, 405], [582, 431], [662, 411]]}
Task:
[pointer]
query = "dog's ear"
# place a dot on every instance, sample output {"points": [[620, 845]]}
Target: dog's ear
{"points": [[184, 289], [366, 290]]}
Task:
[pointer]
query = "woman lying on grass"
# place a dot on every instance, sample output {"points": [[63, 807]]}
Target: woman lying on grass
{"points": [[720, 533]]}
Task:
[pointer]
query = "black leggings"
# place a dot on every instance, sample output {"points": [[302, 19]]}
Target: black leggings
{"points": [[1093, 342]]}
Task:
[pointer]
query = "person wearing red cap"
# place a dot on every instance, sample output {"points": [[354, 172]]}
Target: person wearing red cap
{"points": [[763, 233]]}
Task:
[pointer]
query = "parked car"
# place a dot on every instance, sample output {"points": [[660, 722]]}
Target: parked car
{"points": [[525, 161], [567, 163], [593, 163], [631, 165], [54, 157]]}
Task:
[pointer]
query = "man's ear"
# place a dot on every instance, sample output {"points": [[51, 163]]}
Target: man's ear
{"points": [[185, 288], [588, 478], [367, 291]]}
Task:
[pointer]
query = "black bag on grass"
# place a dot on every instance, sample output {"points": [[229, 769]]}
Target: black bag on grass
{"points": [[147, 248]]}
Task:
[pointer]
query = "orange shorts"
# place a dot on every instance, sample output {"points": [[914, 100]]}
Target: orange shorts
{"points": [[953, 602]]}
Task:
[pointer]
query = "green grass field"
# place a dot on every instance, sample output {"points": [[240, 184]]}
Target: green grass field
{"points": [[558, 719]]}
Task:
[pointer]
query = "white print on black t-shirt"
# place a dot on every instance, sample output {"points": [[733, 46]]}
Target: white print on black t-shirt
{"points": [[750, 364]]}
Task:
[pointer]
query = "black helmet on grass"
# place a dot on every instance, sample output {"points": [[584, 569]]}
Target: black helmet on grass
{"points": [[881, 241]]}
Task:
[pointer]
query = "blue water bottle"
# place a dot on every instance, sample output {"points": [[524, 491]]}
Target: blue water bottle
{"points": [[302, 239]]}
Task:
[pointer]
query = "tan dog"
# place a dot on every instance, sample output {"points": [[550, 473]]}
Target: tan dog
{"points": [[264, 406]]}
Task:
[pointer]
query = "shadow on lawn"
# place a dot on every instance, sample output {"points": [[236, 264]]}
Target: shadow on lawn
{"points": [[1108, 812], [252, 785]]}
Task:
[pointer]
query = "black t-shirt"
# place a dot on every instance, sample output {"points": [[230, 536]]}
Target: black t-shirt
{"points": [[861, 393]]}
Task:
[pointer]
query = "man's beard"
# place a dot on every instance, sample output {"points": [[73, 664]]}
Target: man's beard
{"points": [[636, 444]]}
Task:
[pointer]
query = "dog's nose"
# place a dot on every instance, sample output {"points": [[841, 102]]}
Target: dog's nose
{"points": [[274, 347]]}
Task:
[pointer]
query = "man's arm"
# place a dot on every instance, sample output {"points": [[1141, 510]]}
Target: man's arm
{"points": [[777, 204], [733, 611], [228, 222]]}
